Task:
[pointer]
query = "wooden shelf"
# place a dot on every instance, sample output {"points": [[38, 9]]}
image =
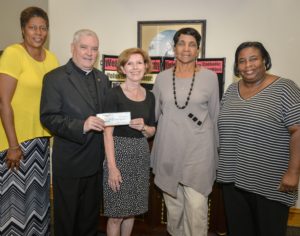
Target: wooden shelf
{"points": [[294, 217]]}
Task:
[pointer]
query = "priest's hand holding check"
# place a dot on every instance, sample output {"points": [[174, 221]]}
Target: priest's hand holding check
{"points": [[93, 123]]}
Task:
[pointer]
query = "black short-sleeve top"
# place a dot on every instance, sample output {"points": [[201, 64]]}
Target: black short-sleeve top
{"points": [[116, 101]]}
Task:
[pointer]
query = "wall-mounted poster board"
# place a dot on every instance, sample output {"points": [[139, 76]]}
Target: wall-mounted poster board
{"points": [[109, 67]]}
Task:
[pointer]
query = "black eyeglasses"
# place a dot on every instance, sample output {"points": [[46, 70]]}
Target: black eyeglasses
{"points": [[195, 119]]}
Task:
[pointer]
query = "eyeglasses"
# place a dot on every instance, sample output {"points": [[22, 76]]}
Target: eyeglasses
{"points": [[195, 119], [35, 28]]}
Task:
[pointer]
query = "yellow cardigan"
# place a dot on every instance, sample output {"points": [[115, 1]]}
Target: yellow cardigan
{"points": [[17, 63]]}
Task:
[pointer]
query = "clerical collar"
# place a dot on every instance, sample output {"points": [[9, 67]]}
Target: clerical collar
{"points": [[79, 70]]}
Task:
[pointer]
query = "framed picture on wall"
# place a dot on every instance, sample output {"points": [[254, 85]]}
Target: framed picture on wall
{"points": [[156, 37]]}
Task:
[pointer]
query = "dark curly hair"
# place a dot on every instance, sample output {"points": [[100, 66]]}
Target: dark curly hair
{"points": [[187, 31], [30, 12], [264, 53]]}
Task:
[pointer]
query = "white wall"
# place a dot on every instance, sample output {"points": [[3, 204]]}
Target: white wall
{"points": [[10, 19], [229, 22]]}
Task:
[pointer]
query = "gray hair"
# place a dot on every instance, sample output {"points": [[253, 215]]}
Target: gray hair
{"points": [[84, 32]]}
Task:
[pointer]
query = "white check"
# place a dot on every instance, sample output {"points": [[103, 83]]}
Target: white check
{"points": [[116, 118]]}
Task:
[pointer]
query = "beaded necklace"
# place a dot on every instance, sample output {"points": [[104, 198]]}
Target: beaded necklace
{"points": [[189, 94]]}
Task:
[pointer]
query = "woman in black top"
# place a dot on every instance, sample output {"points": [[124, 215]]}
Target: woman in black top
{"points": [[126, 168]]}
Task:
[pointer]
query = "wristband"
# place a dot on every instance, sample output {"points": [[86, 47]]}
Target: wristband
{"points": [[14, 147]]}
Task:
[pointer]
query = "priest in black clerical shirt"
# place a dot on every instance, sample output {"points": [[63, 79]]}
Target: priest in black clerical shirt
{"points": [[72, 95]]}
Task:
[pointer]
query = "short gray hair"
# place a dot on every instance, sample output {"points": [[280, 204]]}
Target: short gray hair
{"points": [[84, 32]]}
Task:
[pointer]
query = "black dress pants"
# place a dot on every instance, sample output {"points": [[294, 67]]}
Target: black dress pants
{"points": [[250, 214], [76, 205]]}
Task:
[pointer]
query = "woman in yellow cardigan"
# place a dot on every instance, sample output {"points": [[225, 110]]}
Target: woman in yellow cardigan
{"points": [[24, 145]]}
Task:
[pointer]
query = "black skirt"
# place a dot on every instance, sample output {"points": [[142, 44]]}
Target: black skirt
{"points": [[133, 161]]}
